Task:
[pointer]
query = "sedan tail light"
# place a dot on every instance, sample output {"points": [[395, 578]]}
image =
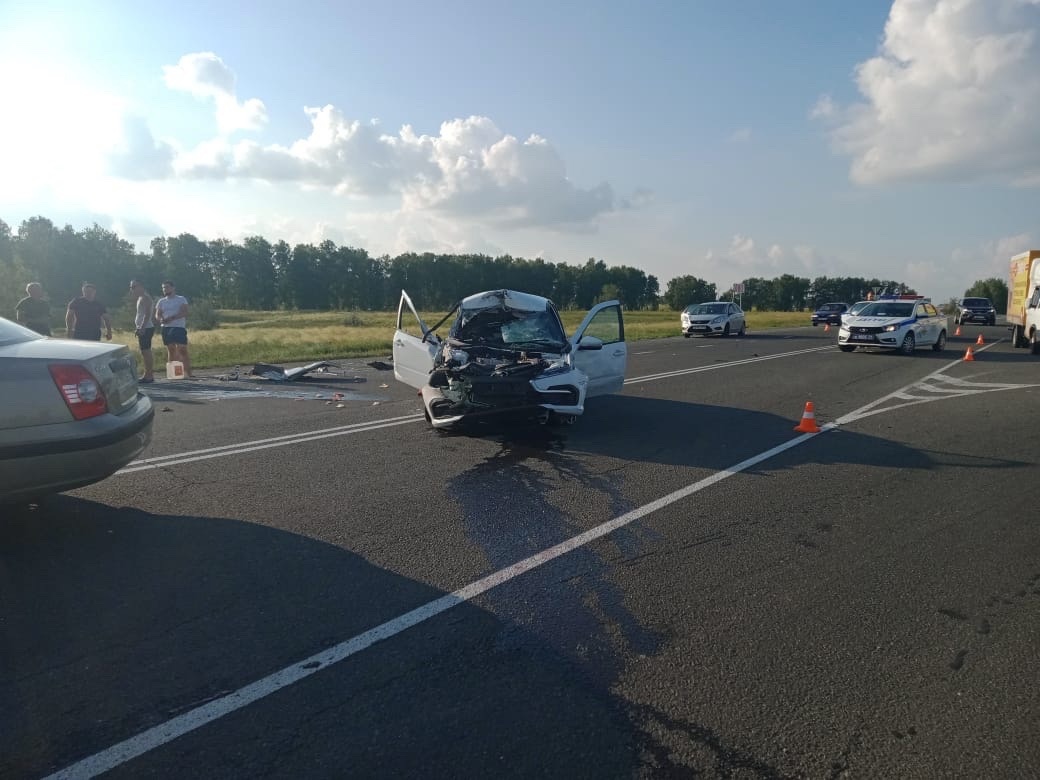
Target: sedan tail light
{"points": [[79, 388]]}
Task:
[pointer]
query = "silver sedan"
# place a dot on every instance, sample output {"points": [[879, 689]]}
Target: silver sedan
{"points": [[713, 318], [71, 413]]}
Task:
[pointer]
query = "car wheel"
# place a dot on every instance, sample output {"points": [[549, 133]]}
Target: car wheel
{"points": [[993, 321], [743, 329], [909, 344], [815, 324], [1034, 343], [725, 331], [957, 320], [940, 343], [846, 347], [686, 335]]}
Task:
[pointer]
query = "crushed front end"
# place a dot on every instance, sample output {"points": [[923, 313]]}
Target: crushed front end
{"points": [[504, 355]]}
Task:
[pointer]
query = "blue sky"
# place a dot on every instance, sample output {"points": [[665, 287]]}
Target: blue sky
{"points": [[723, 139]]}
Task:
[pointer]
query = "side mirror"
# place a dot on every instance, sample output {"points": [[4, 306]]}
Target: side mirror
{"points": [[590, 342]]}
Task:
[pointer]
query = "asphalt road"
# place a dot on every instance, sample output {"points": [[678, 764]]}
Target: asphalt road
{"points": [[289, 587]]}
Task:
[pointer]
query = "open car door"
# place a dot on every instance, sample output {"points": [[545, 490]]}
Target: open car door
{"points": [[415, 346], [600, 350]]}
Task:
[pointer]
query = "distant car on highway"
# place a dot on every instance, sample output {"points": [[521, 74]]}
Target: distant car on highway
{"points": [[976, 310], [829, 314], [715, 318], [902, 323], [71, 413]]}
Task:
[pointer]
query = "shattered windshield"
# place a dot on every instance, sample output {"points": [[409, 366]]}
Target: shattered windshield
{"points": [[509, 329]]}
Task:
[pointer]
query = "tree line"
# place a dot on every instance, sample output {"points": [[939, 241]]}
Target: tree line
{"points": [[259, 274], [783, 293]]}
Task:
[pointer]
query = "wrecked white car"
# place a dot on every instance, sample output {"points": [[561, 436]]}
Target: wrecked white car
{"points": [[508, 351]]}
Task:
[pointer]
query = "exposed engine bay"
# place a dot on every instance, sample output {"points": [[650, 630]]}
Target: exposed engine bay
{"points": [[492, 354], [508, 352]]}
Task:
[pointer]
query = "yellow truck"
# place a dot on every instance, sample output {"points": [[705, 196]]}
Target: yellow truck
{"points": [[1023, 312]]}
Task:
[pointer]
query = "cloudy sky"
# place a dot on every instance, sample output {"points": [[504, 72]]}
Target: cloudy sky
{"points": [[721, 138]]}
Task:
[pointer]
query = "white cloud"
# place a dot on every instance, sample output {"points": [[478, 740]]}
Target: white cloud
{"points": [[204, 75], [471, 169], [744, 258], [139, 155], [990, 258], [952, 93], [740, 135]]}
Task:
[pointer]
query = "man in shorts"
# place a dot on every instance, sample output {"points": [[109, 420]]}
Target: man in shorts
{"points": [[171, 312], [85, 315], [144, 327]]}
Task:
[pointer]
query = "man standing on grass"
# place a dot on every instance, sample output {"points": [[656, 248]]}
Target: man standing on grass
{"points": [[171, 312], [33, 311], [85, 315], [144, 327]]}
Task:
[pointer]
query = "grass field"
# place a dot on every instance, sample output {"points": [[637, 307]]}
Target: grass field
{"points": [[247, 337]]}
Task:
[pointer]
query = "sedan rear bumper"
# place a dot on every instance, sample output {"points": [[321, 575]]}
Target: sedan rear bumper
{"points": [[38, 467]]}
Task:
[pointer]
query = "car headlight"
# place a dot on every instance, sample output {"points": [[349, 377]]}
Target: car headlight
{"points": [[890, 328], [717, 320], [559, 367]]}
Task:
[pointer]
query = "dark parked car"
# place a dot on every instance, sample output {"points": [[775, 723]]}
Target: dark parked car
{"points": [[976, 310], [829, 314], [71, 413]]}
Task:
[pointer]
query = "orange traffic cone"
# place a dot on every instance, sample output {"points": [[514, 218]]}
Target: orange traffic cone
{"points": [[969, 355], [826, 327], [958, 331], [980, 341], [808, 423]]}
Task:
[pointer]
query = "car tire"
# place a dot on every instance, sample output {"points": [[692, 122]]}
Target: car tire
{"points": [[940, 343], [1034, 343], [686, 335], [815, 324], [993, 321], [743, 330], [725, 331], [909, 344], [846, 347], [957, 320]]}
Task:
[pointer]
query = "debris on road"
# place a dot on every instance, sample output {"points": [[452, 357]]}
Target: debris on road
{"points": [[279, 374], [379, 365]]}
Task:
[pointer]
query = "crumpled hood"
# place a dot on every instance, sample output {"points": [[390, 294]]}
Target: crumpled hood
{"points": [[509, 299]]}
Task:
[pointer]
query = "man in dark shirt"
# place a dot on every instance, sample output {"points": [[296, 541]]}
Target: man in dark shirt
{"points": [[33, 311], [85, 314]]}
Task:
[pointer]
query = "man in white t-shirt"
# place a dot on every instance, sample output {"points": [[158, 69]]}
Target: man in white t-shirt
{"points": [[171, 313]]}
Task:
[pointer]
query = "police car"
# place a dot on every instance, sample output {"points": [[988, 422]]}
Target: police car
{"points": [[901, 322]]}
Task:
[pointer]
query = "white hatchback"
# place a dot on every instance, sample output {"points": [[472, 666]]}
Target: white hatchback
{"points": [[904, 323], [507, 352]]}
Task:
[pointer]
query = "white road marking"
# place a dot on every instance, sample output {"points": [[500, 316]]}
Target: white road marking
{"points": [[162, 461], [926, 390], [187, 722], [643, 353], [204, 714], [729, 364]]}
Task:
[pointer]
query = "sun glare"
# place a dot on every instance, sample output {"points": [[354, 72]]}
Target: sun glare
{"points": [[56, 132]]}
